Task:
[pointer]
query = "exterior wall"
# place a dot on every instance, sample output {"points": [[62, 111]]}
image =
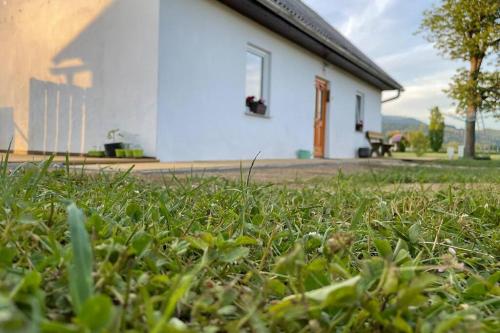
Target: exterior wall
{"points": [[342, 139], [201, 112], [72, 70]]}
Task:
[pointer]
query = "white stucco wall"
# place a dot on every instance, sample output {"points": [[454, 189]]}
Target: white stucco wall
{"points": [[201, 113], [72, 70]]}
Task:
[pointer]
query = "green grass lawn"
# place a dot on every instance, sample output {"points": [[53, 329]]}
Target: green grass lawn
{"points": [[360, 253], [442, 159], [439, 155]]}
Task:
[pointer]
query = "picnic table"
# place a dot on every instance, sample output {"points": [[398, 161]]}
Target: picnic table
{"points": [[378, 144]]}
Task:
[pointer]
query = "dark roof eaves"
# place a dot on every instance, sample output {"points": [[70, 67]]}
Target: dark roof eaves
{"points": [[370, 68]]}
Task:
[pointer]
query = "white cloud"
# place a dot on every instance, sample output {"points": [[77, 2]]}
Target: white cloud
{"points": [[415, 62], [399, 60], [384, 30], [358, 20], [423, 94]]}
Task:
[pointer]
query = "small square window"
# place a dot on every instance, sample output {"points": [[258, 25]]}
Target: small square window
{"points": [[257, 81], [360, 112]]}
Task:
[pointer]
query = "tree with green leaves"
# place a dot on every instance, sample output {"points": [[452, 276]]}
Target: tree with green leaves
{"points": [[436, 129], [469, 30], [418, 141]]}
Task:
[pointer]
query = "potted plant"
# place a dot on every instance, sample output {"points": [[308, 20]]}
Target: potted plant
{"points": [[119, 152], [122, 152], [138, 152], [129, 153], [95, 153], [110, 147], [258, 107], [359, 125]]}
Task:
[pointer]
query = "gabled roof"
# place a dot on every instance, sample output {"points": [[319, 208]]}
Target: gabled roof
{"points": [[299, 23]]}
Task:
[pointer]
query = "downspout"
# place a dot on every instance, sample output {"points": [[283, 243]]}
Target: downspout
{"points": [[393, 98]]}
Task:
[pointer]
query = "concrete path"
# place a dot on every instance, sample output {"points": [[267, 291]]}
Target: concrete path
{"points": [[232, 166], [284, 170]]}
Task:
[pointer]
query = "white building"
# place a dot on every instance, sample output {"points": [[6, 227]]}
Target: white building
{"points": [[175, 76]]}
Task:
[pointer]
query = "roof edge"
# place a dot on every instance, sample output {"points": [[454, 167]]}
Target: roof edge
{"points": [[273, 17]]}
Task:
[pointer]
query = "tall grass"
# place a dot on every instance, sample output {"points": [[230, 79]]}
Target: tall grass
{"points": [[115, 253]]}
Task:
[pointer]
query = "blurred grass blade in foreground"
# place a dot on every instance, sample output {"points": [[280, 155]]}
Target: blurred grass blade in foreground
{"points": [[80, 268]]}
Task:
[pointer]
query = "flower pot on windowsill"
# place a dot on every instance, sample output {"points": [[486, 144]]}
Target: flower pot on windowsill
{"points": [[258, 108], [109, 148]]}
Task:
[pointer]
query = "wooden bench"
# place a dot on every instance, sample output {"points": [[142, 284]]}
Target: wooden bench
{"points": [[378, 144]]}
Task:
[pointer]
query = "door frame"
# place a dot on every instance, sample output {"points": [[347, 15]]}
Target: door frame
{"points": [[321, 84]]}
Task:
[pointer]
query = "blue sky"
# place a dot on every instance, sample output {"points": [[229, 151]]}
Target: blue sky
{"points": [[385, 31]]}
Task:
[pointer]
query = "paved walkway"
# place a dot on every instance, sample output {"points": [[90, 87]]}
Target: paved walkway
{"points": [[228, 166], [264, 170]]}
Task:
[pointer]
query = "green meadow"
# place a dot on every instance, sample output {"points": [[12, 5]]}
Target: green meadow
{"points": [[395, 250]]}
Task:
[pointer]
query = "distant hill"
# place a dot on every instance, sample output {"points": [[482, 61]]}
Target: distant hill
{"points": [[451, 133], [403, 124]]}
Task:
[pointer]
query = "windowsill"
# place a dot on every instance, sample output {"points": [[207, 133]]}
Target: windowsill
{"points": [[251, 114]]}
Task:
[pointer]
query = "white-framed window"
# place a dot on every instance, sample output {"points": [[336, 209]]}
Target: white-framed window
{"points": [[360, 112], [257, 81]]}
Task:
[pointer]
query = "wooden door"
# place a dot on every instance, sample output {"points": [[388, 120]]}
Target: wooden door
{"points": [[322, 99]]}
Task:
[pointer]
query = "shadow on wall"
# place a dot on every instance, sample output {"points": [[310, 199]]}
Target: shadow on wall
{"points": [[105, 77], [57, 117], [7, 126]]}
